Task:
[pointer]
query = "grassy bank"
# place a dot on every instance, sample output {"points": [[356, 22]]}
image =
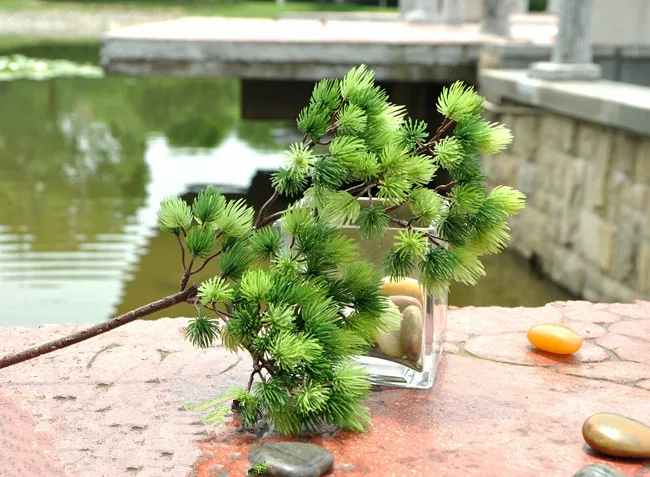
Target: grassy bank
{"points": [[226, 8]]}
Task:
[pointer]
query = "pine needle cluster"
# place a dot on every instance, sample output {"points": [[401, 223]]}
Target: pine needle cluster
{"points": [[292, 292]]}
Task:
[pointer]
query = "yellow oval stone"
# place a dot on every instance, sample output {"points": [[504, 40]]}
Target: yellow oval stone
{"points": [[554, 338], [404, 287], [618, 436]]}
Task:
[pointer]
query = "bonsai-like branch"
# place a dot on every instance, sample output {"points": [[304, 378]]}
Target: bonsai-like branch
{"points": [[186, 275], [214, 255], [96, 330], [446, 186], [267, 204], [180, 242]]}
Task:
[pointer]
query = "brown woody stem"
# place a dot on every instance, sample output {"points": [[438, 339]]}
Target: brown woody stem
{"points": [[96, 330]]}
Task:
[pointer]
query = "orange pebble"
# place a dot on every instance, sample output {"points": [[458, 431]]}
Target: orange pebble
{"points": [[554, 338]]}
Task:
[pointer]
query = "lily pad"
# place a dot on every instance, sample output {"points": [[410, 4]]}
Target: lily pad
{"points": [[22, 67]]}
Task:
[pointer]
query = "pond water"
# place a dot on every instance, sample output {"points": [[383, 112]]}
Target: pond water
{"points": [[83, 166]]}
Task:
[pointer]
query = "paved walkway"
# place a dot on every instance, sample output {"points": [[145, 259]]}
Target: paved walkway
{"points": [[60, 23], [113, 405]]}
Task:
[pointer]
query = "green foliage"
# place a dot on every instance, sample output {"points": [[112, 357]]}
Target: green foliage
{"points": [[266, 243], [202, 331], [200, 242], [373, 222], [208, 204], [174, 215], [459, 102], [258, 470], [296, 297], [427, 205], [213, 291]]}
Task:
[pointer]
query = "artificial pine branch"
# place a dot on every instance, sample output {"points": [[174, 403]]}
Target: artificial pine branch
{"points": [[303, 306]]}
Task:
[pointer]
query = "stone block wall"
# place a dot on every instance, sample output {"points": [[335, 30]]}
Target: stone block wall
{"points": [[587, 221]]}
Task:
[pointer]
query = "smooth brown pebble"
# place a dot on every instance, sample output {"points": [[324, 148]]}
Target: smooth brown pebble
{"points": [[402, 301], [411, 332], [618, 436], [404, 287]]}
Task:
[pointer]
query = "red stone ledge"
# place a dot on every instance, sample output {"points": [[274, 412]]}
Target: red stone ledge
{"points": [[114, 405]]}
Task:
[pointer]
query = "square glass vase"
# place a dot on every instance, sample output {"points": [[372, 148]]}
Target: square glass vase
{"points": [[408, 354]]}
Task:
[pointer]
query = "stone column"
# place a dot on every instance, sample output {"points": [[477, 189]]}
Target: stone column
{"points": [[521, 6], [496, 19], [450, 12], [455, 11], [553, 6], [571, 58]]}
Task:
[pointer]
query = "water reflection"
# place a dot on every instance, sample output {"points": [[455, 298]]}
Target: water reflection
{"points": [[83, 167]]}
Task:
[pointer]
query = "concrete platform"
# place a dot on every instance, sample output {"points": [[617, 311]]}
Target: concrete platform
{"points": [[113, 405], [307, 49]]}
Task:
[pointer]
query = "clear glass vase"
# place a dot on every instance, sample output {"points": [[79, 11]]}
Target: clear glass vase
{"points": [[408, 355]]}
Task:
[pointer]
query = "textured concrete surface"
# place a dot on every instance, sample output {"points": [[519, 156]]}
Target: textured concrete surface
{"points": [[620, 105], [113, 405], [305, 49]]}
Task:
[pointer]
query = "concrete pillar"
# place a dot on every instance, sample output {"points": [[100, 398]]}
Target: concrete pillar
{"points": [[520, 6], [571, 57], [450, 12], [553, 6], [496, 19], [455, 12]]}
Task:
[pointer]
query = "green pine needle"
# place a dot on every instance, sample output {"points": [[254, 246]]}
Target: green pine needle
{"points": [[208, 204], [174, 215], [394, 188], [297, 218], [459, 102], [202, 331], [326, 94], [235, 260], [357, 82], [427, 205], [466, 198], [411, 133], [255, 285], [468, 268], [373, 222], [352, 120], [437, 270], [235, 220], [420, 169], [346, 150], [200, 241], [314, 121], [341, 208], [266, 243], [507, 199], [214, 291], [448, 152]]}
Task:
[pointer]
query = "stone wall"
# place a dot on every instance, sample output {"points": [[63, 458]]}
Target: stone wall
{"points": [[587, 221]]}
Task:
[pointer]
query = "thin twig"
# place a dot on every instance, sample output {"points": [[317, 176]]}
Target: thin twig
{"points": [[182, 251], [267, 204], [96, 330], [270, 219], [446, 186], [206, 261]]}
